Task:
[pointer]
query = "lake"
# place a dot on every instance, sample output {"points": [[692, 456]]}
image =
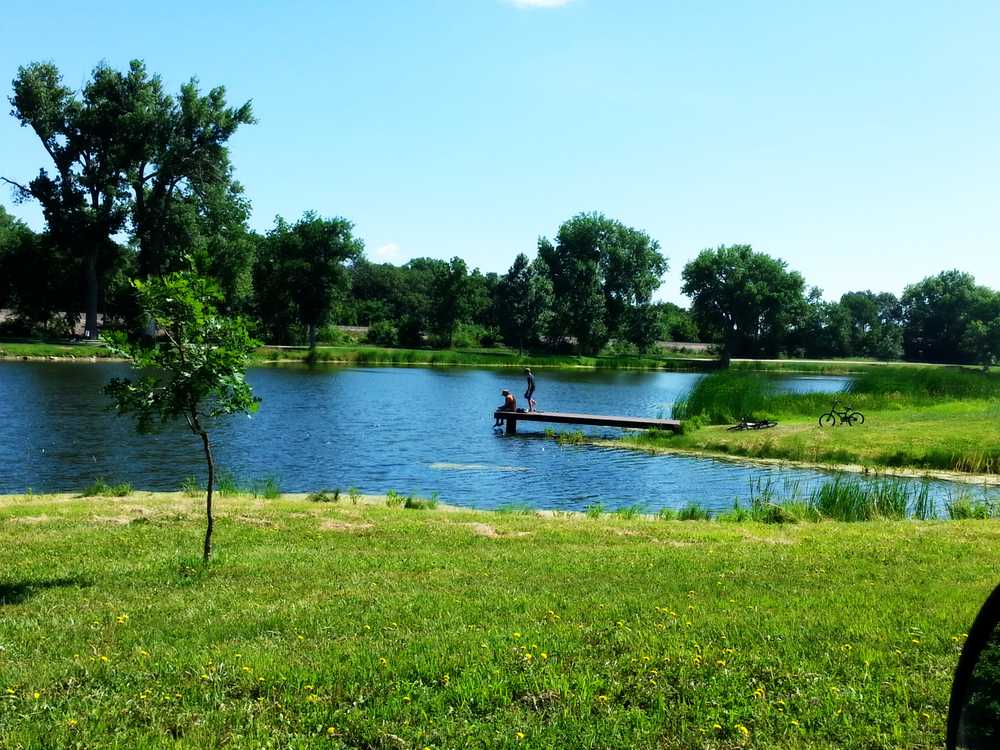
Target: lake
{"points": [[414, 430]]}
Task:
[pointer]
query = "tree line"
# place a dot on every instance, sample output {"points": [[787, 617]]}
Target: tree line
{"points": [[138, 184]]}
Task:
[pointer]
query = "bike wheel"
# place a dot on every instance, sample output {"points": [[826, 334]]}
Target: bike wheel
{"points": [[736, 427], [828, 420], [855, 418], [768, 424]]}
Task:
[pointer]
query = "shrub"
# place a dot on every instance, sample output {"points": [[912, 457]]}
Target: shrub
{"points": [[266, 488], [594, 510], [383, 333], [355, 494], [100, 488], [226, 484], [324, 496], [965, 508], [191, 487], [393, 499], [693, 512], [629, 512], [419, 503]]}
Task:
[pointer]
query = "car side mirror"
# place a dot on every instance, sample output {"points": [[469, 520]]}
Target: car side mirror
{"points": [[974, 710]]}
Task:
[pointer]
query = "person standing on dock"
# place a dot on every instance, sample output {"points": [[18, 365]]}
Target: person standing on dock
{"points": [[531, 389]]}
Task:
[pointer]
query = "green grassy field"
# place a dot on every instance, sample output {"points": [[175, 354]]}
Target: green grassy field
{"points": [[963, 437], [327, 625], [941, 419]]}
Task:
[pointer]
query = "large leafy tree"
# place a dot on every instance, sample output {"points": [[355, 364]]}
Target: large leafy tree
{"points": [[524, 296], [302, 271], [125, 156], [937, 312], [193, 371], [451, 299], [747, 300], [600, 271]]}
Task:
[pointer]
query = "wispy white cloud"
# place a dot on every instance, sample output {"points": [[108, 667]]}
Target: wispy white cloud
{"points": [[539, 3], [389, 253]]}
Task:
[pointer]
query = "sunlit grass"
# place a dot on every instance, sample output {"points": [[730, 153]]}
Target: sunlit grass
{"points": [[921, 418], [325, 625]]}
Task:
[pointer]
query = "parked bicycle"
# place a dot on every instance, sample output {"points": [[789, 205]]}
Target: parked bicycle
{"points": [[847, 415], [749, 424]]}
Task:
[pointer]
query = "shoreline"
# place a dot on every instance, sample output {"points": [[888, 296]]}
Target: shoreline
{"points": [[991, 480]]}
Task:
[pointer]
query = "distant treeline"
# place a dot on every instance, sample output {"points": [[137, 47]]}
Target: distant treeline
{"points": [[138, 183]]}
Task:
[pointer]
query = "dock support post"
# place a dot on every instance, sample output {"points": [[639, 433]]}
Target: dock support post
{"points": [[511, 426]]}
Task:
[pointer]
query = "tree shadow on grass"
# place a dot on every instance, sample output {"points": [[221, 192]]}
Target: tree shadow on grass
{"points": [[18, 592]]}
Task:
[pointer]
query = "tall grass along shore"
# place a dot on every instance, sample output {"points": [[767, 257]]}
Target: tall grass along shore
{"points": [[919, 418], [340, 624]]}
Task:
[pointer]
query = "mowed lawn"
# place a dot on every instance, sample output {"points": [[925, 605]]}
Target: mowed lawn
{"points": [[953, 435], [362, 626]]}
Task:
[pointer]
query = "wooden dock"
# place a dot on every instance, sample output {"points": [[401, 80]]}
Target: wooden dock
{"points": [[596, 420]]}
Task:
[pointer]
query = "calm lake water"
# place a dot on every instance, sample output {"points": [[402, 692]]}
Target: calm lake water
{"points": [[415, 430]]}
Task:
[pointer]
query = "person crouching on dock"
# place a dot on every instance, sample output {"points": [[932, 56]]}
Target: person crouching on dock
{"points": [[509, 404]]}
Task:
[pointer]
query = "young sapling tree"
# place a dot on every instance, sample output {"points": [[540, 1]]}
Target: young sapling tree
{"points": [[194, 368]]}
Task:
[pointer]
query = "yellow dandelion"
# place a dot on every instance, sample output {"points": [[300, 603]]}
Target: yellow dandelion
{"points": [[519, 735], [544, 655], [72, 722], [742, 730], [717, 727], [331, 731], [37, 695], [795, 722], [104, 659]]}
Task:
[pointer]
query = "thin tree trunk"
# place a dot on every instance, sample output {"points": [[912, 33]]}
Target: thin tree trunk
{"points": [[208, 496], [312, 336], [90, 323]]}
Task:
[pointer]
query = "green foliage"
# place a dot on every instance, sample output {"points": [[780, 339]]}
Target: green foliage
{"points": [[100, 488], [194, 370], [965, 507], [938, 312], [301, 272], [128, 156], [629, 512], [420, 503], [383, 333], [747, 301], [226, 484], [693, 512], [600, 271], [266, 488], [524, 299], [725, 397], [324, 496], [191, 486], [594, 510], [393, 499], [355, 494]]}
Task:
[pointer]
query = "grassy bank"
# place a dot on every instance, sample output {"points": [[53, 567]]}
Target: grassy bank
{"points": [[363, 355], [479, 357], [941, 418], [334, 625]]}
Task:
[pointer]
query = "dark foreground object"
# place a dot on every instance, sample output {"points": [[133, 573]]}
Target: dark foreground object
{"points": [[512, 418]]}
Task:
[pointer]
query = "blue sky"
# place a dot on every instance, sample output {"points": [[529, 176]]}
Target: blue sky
{"points": [[859, 141]]}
